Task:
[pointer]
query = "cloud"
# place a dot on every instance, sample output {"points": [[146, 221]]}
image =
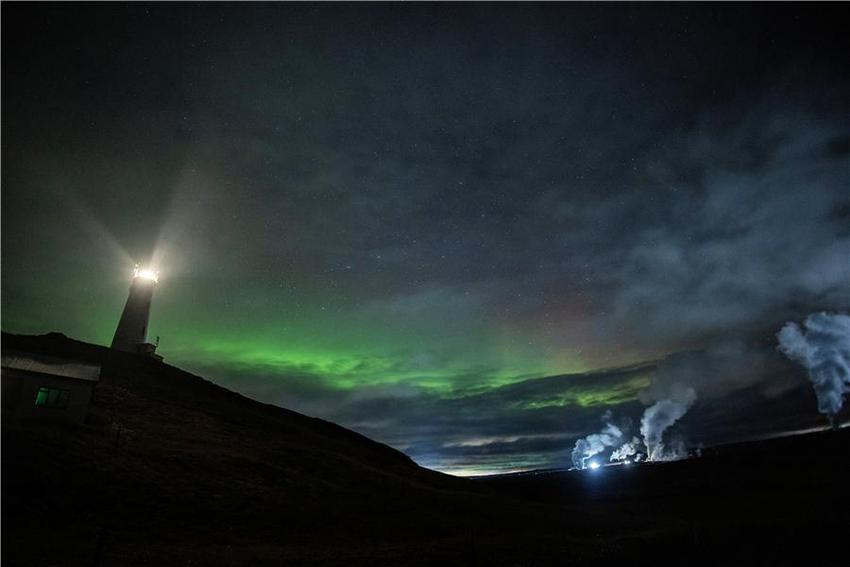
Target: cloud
{"points": [[747, 221]]}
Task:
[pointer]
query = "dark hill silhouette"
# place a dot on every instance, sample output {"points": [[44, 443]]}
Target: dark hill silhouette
{"points": [[170, 469]]}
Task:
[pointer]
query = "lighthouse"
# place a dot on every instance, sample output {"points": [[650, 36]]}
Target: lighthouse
{"points": [[132, 332]]}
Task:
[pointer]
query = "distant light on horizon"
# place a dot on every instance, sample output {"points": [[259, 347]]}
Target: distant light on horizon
{"points": [[593, 465]]}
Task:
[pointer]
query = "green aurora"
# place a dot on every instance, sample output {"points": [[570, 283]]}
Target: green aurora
{"points": [[344, 349]]}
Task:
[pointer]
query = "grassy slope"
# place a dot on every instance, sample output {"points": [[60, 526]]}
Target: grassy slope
{"points": [[170, 467]]}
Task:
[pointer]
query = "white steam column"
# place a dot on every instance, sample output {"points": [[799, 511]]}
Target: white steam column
{"points": [[132, 332]]}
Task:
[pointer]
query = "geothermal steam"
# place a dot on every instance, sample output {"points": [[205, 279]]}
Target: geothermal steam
{"points": [[823, 348], [610, 437], [720, 368], [658, 418], [627, 451], [585, 449]]}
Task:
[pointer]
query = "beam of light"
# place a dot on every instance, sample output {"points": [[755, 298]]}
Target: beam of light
{"points": [[593, 465], [93, 227], [188, 223]]}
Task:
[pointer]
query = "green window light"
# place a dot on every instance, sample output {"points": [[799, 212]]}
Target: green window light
{"points": [[52, 397]]}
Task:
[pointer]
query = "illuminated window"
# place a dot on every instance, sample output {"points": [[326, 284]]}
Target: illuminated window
{"points": [[52, 397]]}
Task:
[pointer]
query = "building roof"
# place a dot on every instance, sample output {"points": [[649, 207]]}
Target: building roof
{"points": [[54, 366]]}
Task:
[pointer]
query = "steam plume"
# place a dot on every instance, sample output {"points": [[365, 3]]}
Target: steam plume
{"points": [[659, 417], [626, 450], [824, 350], [596, 443]]}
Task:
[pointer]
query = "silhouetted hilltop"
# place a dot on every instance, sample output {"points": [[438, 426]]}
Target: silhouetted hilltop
{"points": [[170, 469], [187, 395]]}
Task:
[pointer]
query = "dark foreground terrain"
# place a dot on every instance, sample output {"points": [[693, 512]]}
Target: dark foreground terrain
{"points": [[170, 469]]}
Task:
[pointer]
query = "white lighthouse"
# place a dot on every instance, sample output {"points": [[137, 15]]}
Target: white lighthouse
{"points": [[132, 332]]}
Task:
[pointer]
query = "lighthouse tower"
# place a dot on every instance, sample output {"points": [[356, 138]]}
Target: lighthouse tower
{"points": [[132, 332]]}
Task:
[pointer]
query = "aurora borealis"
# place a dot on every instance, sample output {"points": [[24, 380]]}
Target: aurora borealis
{"points": [[464, 230]]}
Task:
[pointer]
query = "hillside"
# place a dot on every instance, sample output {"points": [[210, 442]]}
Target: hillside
{"points": [[170, 468], [779, 501]]}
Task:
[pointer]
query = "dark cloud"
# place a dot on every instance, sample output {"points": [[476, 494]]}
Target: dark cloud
{"points": [[754, 227]]}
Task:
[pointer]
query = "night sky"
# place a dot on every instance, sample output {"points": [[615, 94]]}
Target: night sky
{"points": [[468, 231]]}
